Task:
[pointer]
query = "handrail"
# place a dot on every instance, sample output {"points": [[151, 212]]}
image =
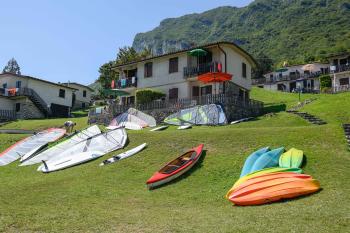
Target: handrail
{"points": [[32, 95]]}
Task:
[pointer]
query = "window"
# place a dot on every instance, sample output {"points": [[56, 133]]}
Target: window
{"points": [[83, 105], [173, 65], [244, 70], [148, 69], [18, 107], [18, 84], [344, 81], [173, 93], [84, 93], [4, 85], [62, 93]]}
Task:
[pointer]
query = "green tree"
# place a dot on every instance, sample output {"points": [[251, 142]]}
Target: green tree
{"points": [[107, 74], [12, 67], [264, 65]]}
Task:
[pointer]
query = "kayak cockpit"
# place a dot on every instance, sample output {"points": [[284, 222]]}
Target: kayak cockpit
{"points": [[178, 162]]}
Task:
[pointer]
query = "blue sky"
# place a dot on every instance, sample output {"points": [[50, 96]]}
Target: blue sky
{"points": [[69, 40]]}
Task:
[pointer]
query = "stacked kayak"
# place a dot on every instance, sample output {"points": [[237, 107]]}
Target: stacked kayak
{"points": [[269, 176], [59, 148], [89, 149], [30, 145], [273, 187], [176, 167]]}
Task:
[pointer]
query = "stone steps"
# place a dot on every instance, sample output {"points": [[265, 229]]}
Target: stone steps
{"points": [[346, 128], [310, 118]]}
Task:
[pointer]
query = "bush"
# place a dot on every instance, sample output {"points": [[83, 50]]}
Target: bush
{"points": [[146, 96], [325, 81]]}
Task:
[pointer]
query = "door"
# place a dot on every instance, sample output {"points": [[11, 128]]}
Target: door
{"points": [[195, 91], [292, 86], [173, 93], [206, 90]]}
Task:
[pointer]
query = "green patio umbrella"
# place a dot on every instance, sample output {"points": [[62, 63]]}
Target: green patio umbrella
{"points": [[198, 52], [115, 92]]}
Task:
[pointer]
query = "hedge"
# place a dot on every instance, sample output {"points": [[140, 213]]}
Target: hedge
{"points": [[325, 81], [148, 95]]}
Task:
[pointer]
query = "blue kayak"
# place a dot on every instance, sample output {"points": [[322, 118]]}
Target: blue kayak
{"points": [[269, 159], [249, 162]]}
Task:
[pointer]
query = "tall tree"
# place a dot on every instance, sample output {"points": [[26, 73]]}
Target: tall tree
{"points": [[107, 74], [128, 54], [264, 65], [12, 67]]}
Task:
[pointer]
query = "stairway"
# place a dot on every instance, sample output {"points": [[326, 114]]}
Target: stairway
{"points": [[312, 119], [36, 99], [346, 128]]}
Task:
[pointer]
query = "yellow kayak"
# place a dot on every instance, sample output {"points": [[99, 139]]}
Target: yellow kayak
{"points": [[291, 158]]}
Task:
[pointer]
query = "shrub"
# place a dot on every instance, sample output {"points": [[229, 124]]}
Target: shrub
{"points": [[325, 81], [148, 95]]}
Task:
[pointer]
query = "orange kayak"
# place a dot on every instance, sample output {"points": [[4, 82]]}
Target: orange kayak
{"points": [[273, 187]]}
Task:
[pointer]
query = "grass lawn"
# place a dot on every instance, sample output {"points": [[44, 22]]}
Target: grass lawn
{"points": [[114, 198]]}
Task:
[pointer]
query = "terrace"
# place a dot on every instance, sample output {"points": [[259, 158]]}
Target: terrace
{"points": [[292, 77], [195, 70], [341, 68]]}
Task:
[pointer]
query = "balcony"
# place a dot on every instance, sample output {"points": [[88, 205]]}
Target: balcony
{"points": [[193, 71], [342, 68], [258, 81], [126, 83], [281, 78]]}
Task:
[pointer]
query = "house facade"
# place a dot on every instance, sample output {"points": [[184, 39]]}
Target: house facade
{"points": [[176, 74], [82, 95], [31, 97], [340, 71], [286, 78]]}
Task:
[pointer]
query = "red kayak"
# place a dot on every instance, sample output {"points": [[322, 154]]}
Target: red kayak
{"points": [[176, 168]]}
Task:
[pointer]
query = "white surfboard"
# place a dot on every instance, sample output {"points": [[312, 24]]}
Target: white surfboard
{"points": [[241, 120], [70, 161], [127, 125], [160, 128], [124, 155], [182, 127]]}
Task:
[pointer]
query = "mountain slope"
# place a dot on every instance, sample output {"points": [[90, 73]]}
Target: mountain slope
{"points": [[282, 29]]}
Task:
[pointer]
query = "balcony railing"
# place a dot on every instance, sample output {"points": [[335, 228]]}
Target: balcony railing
{"points": [[126, 82], [191, 102], [277, 79], [192, 71], [342, 68], [258, 81]]}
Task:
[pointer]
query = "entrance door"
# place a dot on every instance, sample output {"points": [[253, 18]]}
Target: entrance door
{"points": [[206, 90], [195, 91], [292, 86], [173, 93]]}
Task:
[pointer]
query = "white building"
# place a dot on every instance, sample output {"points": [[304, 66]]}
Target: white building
{"points": [[286, 78], [82, 95], [31, 97], [340, 71], [175, 74]]}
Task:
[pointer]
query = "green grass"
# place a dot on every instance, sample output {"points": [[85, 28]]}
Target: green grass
{"points": [[114, 198]]}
